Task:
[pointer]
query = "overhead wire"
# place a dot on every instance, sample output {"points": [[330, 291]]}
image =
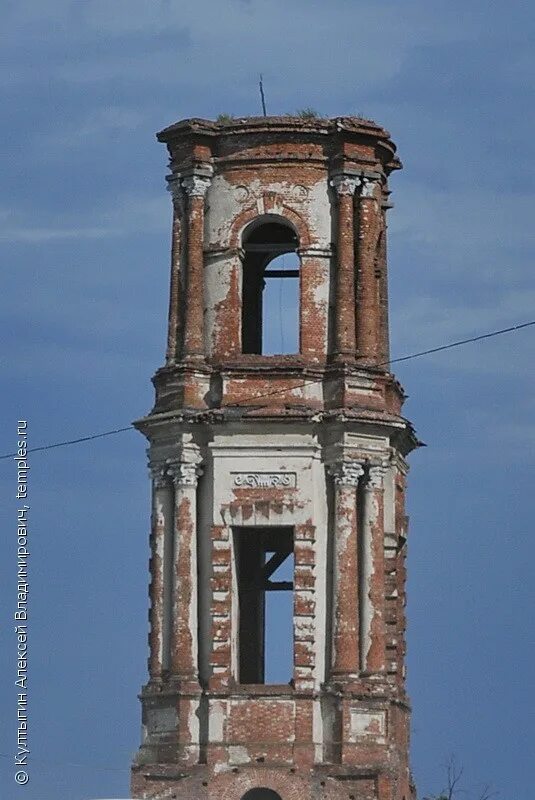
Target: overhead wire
{"points": [[309, 382], [397, 360]]}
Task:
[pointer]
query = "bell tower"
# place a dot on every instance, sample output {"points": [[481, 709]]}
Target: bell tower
{"points": [[278, 474]]}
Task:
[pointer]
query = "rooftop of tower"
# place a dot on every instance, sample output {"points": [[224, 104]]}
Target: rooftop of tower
{"points": [[299, 122], [299, 127]]}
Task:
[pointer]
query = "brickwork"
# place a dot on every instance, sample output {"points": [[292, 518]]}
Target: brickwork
{"points": [[246, 448]]}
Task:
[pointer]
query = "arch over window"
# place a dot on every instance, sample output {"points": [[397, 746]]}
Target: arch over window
{"points": [[261, 793], [270, 295]]}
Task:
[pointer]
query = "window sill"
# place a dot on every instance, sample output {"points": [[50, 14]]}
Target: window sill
{"points": [[264, 689]]}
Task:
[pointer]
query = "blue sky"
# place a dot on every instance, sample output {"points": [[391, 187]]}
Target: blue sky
{"points": [[85, 230]]}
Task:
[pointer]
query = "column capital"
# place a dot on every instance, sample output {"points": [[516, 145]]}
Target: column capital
{"points": [[345, 184], [368, 186], [175, 188], [346, 473], [184, 473], [196, 183], [376, 474], [159, 476]]}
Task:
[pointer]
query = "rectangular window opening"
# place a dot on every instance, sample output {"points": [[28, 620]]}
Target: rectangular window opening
{"points": [[264, 569]]}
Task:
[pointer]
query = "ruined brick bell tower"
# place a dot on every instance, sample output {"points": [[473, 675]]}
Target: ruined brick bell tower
{"points": [[278, 479]]}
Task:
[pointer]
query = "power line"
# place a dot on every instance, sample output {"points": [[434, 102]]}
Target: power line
{"points": [[399, 359], [71, 441], [459, 343], [448, 346]]}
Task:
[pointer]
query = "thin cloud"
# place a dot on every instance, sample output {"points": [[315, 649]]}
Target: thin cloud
{"points": [[435, 321], [466, 231], [94, 128], [172, 40], [129, 214], [44, 235]]}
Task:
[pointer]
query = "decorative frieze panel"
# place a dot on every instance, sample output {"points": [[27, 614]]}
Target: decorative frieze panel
{"points": [[161, 719], [367, 724], [265, 480]]}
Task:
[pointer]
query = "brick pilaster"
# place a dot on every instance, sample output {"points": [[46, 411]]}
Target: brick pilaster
{"points": [[161, 543], [345, 186], [184, 645], [177, 193], [195, 186], [345, 649], [368, 301], [373, 574]]}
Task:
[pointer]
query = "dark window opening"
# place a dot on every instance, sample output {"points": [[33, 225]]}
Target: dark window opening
{"points": [[264, 568], [280, 306], [261, 794], [270, 299]]}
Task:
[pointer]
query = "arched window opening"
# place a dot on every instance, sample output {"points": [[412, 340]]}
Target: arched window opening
{"points": [[261, 793], [270, 301]]}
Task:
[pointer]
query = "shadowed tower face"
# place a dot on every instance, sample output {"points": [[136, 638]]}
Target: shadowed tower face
{"points": [[277, 455]]}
